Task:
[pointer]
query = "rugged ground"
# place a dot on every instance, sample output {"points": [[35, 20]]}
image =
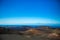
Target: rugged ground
{"points": [[28, 33]]}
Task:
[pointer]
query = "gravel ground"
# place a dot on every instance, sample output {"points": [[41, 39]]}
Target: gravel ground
{"points": [[19, 37]]}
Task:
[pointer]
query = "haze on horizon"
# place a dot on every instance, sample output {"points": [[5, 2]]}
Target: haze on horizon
{"points": [[27, 21]]}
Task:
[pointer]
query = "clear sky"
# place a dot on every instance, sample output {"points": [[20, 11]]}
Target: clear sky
{"points": [[30, 11]]}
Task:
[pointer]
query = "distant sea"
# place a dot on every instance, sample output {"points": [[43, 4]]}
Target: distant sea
{"points": [[50, 25]]}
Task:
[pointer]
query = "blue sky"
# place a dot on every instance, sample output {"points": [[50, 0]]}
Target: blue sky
{"points": [[45, 10]]}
